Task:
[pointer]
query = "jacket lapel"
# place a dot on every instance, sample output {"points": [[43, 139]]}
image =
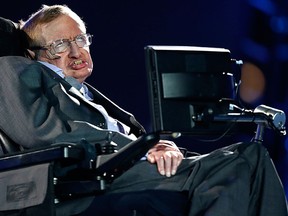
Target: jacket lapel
{"points": [[113, 110], [117, 112]]}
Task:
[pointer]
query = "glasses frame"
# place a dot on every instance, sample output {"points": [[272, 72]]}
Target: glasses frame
{"points": [[52, 49]]}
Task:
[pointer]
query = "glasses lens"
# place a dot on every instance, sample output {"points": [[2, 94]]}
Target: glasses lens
{"points": [[83, 40], [60, 46]]}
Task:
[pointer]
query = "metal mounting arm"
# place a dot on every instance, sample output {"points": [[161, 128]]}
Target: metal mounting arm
{"points": [[264, 116]]}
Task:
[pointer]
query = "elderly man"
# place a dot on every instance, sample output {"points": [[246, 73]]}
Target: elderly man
{"points": [[49, 102]]}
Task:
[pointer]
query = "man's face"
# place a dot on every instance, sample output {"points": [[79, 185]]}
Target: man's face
{"points": [[74, 61]]}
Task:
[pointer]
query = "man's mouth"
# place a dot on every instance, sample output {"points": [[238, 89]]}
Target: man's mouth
{"points": [[78, 62]]}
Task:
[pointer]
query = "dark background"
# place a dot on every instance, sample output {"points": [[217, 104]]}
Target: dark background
{"points": [[255, 31]]}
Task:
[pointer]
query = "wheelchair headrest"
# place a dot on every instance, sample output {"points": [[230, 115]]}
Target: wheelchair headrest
{"points": [[13, 41]]}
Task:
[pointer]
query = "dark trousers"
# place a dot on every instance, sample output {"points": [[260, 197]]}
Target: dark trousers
{"points": [[152, 203], [236, 180]]}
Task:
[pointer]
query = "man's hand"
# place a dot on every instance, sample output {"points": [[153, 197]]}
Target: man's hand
{"points": [[167, 156]]}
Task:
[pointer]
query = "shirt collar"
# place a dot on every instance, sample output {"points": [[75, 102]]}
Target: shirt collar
{"points": [[56, 69], [72, 81]]}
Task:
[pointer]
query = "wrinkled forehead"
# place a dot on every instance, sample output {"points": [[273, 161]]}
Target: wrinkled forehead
{"points": [[79, 22], [64, 27]]}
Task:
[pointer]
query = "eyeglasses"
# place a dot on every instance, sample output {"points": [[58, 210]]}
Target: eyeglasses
{"points": [[60, 46]]}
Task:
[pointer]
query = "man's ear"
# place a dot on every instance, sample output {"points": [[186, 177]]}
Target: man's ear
{"points": [[51, 56], [31, 54]]}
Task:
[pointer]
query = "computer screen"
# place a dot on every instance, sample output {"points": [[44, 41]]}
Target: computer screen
{"points": [[187, 86]]}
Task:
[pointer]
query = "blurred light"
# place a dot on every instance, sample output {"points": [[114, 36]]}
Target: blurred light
{"points": [[255, 50], [279, 24], [265, 6], [252, 83], [286, 144], [282, 52]]}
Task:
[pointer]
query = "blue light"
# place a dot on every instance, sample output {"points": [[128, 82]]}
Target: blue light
{"points": [[279, 24], [286, 144], [255, 50], [266, 6], [282, 52]]}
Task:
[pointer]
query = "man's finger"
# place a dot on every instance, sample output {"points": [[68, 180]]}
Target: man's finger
{"points": [[160, 165]]}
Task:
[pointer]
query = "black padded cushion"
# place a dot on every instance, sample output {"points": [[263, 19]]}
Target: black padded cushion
{"points": [[13, 41]]}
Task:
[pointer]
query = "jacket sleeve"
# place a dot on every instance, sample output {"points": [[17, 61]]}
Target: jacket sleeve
{"points": [[35, 111]]}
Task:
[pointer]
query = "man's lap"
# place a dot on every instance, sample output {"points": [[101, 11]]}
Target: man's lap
{"points": [[227, 180], [146, 202]]}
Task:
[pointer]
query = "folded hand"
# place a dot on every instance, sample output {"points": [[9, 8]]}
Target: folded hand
{"points": [[167, 156]]}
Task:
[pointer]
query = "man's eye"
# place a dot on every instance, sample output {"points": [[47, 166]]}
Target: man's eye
{"points": [[81, 39], [59, 44]]}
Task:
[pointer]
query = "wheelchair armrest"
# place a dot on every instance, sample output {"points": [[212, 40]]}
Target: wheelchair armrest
{"points": [[58, 152], [116, 163], [79, 171], [112, 164]]}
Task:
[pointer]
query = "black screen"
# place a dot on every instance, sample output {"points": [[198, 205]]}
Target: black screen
{"points": [[186, 84]]}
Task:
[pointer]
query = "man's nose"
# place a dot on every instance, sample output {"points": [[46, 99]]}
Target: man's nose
{"points": [[74, 49]]}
